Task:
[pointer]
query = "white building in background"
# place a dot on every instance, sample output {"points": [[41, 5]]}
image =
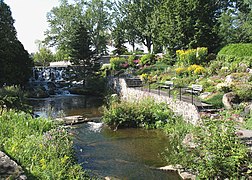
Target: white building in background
{"points": [[60, 64]]}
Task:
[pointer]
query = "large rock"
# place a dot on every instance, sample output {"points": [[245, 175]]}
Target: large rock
{"points": [[248, 109], [9, 169], [229, 100], [185, 175]]}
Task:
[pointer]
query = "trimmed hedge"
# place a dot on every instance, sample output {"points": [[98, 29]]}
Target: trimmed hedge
{"points": [[236, 52]]}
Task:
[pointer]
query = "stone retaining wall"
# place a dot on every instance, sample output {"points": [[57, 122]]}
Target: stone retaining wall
{"points": [[187, 110]]}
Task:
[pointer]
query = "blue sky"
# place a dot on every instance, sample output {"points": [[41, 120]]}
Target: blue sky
{"points": [[30, 20]]}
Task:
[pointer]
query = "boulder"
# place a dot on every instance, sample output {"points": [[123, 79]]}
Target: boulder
{"points": [[9, 169], [185, 175], [248, 109], [229, 100]]}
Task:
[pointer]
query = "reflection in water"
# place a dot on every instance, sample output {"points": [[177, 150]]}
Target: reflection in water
{"points": [[69, 105], [124, 154]]}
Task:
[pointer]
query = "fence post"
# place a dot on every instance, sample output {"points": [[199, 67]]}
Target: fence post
{"points": [[192, 95], [180, 93], [149, 87], [169, 92], [159, 90]]}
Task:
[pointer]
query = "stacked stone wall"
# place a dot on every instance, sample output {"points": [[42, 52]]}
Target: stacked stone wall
{"points": [[187, 110]]}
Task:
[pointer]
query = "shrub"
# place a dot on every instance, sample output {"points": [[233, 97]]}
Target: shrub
{"points": [[196, 69], [236, 53], [44, 150], [191, 56], [145, 113], [12, 97], [167, 59], [181, 71], [148, 59], [219, 154], [244, 91], [117, 63]]}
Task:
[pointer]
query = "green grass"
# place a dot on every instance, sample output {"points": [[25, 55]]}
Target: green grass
{"points": [[215, 100], [39, 146]]}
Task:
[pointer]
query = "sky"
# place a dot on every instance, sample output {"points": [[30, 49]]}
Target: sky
{"points": [[30, 20]]}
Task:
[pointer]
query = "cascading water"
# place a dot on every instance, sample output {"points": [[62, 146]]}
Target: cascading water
{"points": [[53, 80]]}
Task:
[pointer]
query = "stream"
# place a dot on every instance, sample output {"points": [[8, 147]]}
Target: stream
{"points": [[123, 154]]}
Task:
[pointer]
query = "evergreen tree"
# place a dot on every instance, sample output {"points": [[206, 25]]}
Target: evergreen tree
{"points": [[82, 55], [15, 63]]}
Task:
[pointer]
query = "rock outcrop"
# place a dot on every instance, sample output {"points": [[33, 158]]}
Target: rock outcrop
{"points": [[9, 169], [229, 100]]}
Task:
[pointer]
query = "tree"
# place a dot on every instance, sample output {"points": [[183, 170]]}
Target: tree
{"points": [[236, 23], [82, 55], [64, 20], [44, 56], [62, 23], [139, 20], [15, 62], [97, 17], [187, 24]]}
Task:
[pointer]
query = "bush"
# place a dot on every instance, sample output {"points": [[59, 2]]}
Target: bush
{"points": [[244, 91], [219, 154], [236, 53], [12, 97], [196, 69], [192, 56], [145, 113], [117, 63], [37, 145], [148, 59]]}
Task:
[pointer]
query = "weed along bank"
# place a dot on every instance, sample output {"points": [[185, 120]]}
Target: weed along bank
{"points": [[187, 110]]}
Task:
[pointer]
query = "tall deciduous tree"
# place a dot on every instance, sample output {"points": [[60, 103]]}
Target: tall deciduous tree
{"points": [[98, 19], [63, 21], [139, 19], [189, 23], [15, 62]]}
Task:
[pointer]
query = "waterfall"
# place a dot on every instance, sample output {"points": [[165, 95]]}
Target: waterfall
{"points": [[53, 80]]}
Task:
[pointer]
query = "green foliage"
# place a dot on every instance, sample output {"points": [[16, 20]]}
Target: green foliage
{"points": [[243, 90], [80, 46], [191, 56], [43, 57], [167, 59], [15, 63], [131, 59], [248, 122], [219, 153], [240, 53], [64, 19], [37, 145], [12, 97], [145, 113], [117, 63], [215, 100], [148, 59]]}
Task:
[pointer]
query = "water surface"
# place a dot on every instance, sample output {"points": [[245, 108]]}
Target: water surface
{"points": [[123, 154]]}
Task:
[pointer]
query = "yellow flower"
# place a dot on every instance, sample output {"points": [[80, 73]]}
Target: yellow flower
{"points": [[43, 163], [180, 70], [64, 159], [199, 70]]}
